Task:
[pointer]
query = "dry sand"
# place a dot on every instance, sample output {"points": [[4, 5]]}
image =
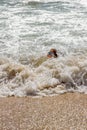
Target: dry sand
{"points": [[62, 112]]}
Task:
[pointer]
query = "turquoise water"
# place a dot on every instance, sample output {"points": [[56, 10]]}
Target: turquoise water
{"points": [[28, 30]]}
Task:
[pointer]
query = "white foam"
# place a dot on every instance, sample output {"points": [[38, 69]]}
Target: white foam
{"points": [[83, 2], [52, 76]]}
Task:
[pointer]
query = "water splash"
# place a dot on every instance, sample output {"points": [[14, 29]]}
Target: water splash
{"points": [[53, 76]]}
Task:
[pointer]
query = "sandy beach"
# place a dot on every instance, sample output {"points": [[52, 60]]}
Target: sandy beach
{"points": [[61, 112]]}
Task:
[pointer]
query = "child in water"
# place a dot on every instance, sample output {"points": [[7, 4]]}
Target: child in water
{"points": [[52, 53]]}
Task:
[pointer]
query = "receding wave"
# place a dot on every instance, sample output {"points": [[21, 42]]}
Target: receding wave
{"points": [[82, 2], [43, 1]]}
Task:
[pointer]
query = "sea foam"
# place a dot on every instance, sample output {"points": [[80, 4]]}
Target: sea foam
{"points": [[52, 76]]}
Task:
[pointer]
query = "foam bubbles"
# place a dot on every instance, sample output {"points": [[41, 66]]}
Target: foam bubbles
{"points": [[53, 76]]}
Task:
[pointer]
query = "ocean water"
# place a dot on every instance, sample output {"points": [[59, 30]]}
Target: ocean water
{"points": [[28, 30]]}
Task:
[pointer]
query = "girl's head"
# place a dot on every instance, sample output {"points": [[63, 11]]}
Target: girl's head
{"points": [[52, 53]]}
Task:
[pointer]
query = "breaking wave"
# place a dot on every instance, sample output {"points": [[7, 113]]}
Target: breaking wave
{"points": [[44, 77]]}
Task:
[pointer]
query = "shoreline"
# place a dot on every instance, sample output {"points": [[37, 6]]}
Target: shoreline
{"points": [[63, 112]]}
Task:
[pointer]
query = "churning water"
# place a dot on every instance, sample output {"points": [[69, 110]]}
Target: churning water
{"points": [[28, 30]]}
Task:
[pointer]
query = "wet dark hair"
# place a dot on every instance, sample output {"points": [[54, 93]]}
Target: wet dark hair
{"points": [[54, 52], [55, 55]]}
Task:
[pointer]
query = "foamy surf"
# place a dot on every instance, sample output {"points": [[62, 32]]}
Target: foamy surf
{"points": [[52, 76]]}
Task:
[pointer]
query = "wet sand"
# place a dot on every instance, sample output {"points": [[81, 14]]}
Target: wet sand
{"points": [[62, 112]]}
